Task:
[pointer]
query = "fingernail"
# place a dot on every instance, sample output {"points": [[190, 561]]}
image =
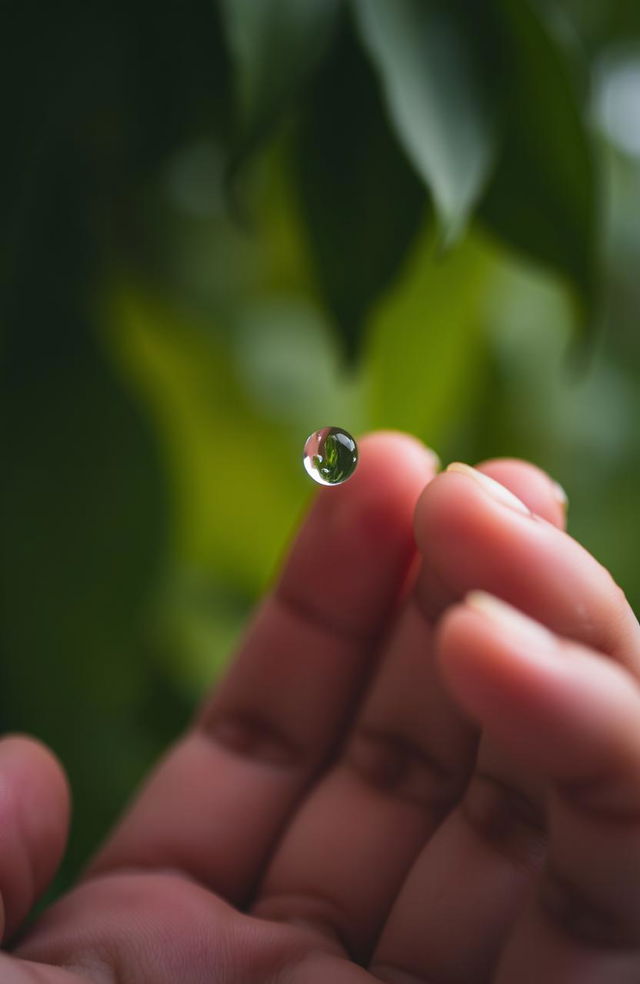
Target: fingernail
{"points": [[491, 487], [560, 496], [511, 621], [434, 459]]}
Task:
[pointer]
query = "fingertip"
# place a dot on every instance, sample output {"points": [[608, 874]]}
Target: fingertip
{"points": [[17, 746], [542, 494], [48, 827], [34, 818], [378, 502], [468, 539], [518, 483], [565, 709], [508, 672], [44, 797], [496, 653], [387, 450]]}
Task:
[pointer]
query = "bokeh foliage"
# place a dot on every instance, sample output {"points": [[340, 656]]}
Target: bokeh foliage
{"points": [[227, 224]]}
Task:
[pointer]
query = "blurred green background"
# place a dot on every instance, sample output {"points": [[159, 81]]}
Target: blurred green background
{"points": [[227, 224]]}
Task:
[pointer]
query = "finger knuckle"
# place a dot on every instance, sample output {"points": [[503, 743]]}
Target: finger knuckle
{"points": [[506, 819], [399, 767]]}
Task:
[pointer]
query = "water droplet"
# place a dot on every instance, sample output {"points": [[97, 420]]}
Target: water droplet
{"points": [[330, 456]]}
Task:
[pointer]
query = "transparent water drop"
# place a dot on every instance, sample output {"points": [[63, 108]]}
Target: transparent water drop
{"points": [[330, 456]]}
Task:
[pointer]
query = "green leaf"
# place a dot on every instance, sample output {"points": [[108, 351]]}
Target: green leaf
{"points": [[543, 196], [438, 100], [220, 448], [426, 353], [362, 203], [275, 45]]}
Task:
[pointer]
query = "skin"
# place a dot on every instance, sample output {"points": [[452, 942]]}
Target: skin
{"points": [[396, 781]]}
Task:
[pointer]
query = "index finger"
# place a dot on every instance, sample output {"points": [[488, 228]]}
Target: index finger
{"points": [[214, 807]]}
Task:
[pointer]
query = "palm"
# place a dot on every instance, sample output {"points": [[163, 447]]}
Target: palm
{"points": [[331, 810], [161, 927]]}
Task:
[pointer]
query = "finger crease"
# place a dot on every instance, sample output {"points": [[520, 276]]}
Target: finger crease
{"points": [[253, 737], [320, 618], [593, 798], [322, 916], [506, 819], [592, 923], [396, 765]]}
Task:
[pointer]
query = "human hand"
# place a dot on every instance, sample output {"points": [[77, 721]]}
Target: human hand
{"points": [[327, 814]]}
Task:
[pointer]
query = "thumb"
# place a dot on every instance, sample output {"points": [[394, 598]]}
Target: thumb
{"points": [[34, 820]]}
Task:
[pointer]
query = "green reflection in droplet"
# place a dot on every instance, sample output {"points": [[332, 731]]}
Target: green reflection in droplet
{"points": [[330, 456]]}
